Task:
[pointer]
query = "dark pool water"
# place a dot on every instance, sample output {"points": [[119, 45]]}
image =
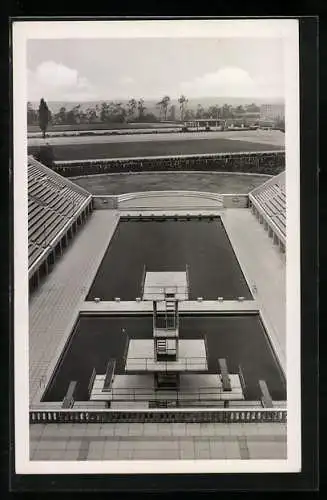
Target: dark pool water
{"points": [[241, 339], [170, 245]]}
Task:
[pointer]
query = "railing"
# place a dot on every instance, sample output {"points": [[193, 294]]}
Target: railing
{"points": [[227, 416], [91, 382], [135, 364]]}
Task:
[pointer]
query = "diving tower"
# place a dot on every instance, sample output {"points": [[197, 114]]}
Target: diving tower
{"points": [[166, 369]]}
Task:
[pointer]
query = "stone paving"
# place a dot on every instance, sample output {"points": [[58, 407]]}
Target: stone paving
{"points": [[54, 307], [157, 441]]}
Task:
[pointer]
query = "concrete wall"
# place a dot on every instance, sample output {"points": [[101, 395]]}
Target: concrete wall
{"points": [[170, 200], [236, 200], [183, 200], [105, 202]]}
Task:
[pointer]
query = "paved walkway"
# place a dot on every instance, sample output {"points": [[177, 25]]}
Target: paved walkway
{"points": [[54, 307], [264, 266], [157, 441]]}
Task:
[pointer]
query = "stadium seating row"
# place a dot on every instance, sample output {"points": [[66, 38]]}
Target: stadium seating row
{"points": [[53, 203], [270, 199], [270, 163]]}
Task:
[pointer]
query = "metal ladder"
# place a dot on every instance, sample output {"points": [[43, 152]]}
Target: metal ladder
{"points": [[170, 310], [161, 346]]}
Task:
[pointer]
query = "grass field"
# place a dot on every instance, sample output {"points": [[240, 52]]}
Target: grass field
{"points": [[213, 182], [153, 148]]}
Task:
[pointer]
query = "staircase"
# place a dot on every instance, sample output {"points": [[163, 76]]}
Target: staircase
{"points": [[171, 310], [161, 346]]}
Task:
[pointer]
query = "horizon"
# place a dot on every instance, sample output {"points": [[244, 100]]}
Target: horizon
{"points": [[213, 101]]}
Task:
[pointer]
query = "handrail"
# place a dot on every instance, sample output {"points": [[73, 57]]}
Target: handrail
{"points": [[225, 415], [143, 280]]}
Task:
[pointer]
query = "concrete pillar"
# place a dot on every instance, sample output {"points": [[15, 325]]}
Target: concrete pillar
{"points": [[51, 258], [46, 266]]}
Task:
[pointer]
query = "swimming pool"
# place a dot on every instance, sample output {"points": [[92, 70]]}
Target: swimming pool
{"points": [[170, 244], [239, 338]]}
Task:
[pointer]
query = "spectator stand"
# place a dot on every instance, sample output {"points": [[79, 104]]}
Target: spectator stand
{"points": [[56, 209]]}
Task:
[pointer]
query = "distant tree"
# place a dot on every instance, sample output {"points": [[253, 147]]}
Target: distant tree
{"points": [[131, 108], [164, 103], [61, 116], [119, 113], [226, 111], [90, 115], [141, 108], [182, 106], [199, 112], [189, 115], [44, 116], [172, 113], [104, 112], [214, 112], [73, 116], [159, 105]]}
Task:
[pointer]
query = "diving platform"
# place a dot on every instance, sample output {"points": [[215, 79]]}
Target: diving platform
{"points": [[162, 285], [193, 388], [192, 357]]}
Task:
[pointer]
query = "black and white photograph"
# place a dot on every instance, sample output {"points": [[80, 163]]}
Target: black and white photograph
{"points": [[157, 246]]}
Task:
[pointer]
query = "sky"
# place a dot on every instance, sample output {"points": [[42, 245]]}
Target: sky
{"points": [[113, 69]]}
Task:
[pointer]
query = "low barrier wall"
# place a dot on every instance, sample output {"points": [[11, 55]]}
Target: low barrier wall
{"points": [[170, 200], [268, 162], [235, 200]]}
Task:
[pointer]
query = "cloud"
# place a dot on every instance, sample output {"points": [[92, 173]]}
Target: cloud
{"points": [[229, 82], [127, 80], [55, 81]]}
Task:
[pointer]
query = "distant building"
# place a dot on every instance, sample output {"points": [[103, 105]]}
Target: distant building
{"points": [[272, 112]]}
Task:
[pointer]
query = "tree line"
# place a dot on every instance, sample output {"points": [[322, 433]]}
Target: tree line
{"points": [[134, 111]]}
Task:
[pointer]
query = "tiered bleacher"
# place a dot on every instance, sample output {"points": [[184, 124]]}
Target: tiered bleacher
{"points": [[269, 201], [267, 162], [54, 205]]}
